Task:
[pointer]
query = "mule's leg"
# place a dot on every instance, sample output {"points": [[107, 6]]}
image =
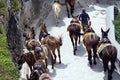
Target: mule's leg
{"points": [[56, 20], [72, 11], [54, 56], [105, 64], [79, 39], [95, 55], [30, 68], [111, 70], [50, 56], [59, 55], [46, 63], [89, 56], [71, 40], [75, 48], [67, 10]]}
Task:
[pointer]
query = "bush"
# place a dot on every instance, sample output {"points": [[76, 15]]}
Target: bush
{"points": [[15, 5], [8, 71], [2, 8], [117, 27]]}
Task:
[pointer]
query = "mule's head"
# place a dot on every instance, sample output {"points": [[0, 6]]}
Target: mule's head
{"points": [[21, 60], [87, 27], [56, 1], [34, 75], [38, 51], [105, 36], [104, 33], [31, 44], [45, 76], [43, 31]]}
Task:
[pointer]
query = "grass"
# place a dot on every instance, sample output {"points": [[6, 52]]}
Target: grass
{"points": [[117, 27], [8, 71]]}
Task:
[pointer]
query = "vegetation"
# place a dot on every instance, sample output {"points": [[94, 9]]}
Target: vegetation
{"points": [[15, 5], [2, 8], [8, 71], [117, 27]]}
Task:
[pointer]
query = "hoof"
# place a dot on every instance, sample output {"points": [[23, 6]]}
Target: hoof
{"points": [[95, 63], [60, 62], [90, 63]]}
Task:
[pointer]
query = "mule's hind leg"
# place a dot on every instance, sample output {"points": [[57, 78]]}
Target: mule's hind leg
{"points": [[71, 40], [67, 10], [79, 39], [105, 64], [72, 11], [110, 72], [54, 57], [50, 56], [95, 55], [89, 56], [59, 55]]}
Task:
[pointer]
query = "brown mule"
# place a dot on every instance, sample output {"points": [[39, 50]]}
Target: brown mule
{"points": [[44, 53], [108, 53], [70, 3], [74, 32], [53, 43], [56, 7], [38, 69], [90, 40]]}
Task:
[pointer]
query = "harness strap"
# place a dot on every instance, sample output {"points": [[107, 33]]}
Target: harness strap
{"points": [[102, 46], [33, 55], [78, 24], [87, 34], [44, 53], [31, 41]]}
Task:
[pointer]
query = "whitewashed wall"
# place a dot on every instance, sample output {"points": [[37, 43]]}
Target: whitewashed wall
{"points": [[111, 35]]}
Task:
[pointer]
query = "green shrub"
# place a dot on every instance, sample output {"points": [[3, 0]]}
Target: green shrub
{"points": [[117, 27], [8, 71], [15, 5], [2, 8]]}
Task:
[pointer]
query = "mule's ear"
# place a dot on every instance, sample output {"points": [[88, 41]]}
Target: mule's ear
{"points": [[102, 30], [32, 28], [108, 30]]}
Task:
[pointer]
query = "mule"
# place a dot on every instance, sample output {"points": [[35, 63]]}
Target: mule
{"points": [[70, 3], [56, 7], [90, 40], [41, 52], [31, 44], [53, 42], [28, 57], [107, 52], [74, 29], [45, 76], [38, 69], [43, 31], [30, 34], [44, 53]]}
